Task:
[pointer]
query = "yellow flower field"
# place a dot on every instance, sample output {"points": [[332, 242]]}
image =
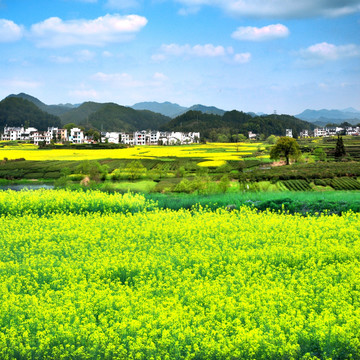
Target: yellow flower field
{"points": [[83, 279], [209, 152]]}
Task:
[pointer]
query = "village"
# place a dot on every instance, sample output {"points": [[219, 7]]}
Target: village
{"points": [[77, 136], [145, 137]]}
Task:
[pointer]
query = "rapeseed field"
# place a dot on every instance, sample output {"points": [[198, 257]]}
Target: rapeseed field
{"points": [[84, 278], [209, 152]]}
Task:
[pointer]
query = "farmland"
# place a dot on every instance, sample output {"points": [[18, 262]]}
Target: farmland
{"points": [[208, 152], [171, 271], [198, 169], [82, 278]]}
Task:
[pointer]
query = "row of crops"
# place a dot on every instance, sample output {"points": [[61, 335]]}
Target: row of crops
{"points": [[344, 183], [83, 283]]}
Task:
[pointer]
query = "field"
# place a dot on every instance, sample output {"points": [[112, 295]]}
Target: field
{"points": [[88, 275], [198, 169], [209, 152]]}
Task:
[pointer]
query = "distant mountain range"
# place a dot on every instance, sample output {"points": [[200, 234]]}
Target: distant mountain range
{"points": [[173, 110], [166, 108], [323, 117], [24, 109]]}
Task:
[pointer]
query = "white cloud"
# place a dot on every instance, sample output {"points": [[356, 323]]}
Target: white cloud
{"points": [[117, 79], [9, 31], [107, 54], [242, 58], [55, 32], [322, 52], [269, 32], [280, 8], [186, 50], [85, 55], [160, 77]]}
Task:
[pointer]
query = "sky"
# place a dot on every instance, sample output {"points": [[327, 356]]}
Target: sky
{"points": [[249, 55]]}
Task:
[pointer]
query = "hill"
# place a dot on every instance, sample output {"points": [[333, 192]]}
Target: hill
{"points": [[166, 108], [113, 117], [325, 116], [174, 110], [51, 109], [207, 109], [235, 122], [16, 111], [80, 114]]}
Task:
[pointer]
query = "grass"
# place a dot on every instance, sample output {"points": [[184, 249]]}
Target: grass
{"points": [[143, 186], [294, 202]]}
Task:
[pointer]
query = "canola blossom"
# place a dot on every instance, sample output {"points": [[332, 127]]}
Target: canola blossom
{"points": [[187, 284], [213, 151], [213, 163]]}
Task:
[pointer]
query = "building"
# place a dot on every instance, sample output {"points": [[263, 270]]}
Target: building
{"points": [[12, 133], [289, 133], [39, 137], [320, 132], [304, 134], [76, 136], [111, 137], [140, 137], [58, 135]]}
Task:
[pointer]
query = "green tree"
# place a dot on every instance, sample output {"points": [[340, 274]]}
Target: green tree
{"points": [[93, 169], [340, 148], [222, 138], [69, 126], [272, 139], [262, 137], [285, 148]]}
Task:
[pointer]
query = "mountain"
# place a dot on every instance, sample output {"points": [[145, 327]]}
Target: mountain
{"points": [[256, 114], [51, 109], [350, 110], [235, 122], [16, 111], [166, 108], [206, 109], [114, 117], [325, 116], [173, 110], [80, 114]]}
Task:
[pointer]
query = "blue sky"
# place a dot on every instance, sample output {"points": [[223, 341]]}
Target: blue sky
{"points": [[250, 55]]}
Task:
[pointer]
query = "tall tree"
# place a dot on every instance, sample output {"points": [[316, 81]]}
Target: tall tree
{"points": [[340, 148], [286, 148]]}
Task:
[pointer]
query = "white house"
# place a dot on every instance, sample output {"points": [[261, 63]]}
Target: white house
{"points": [[320, 132], [304, 134], [140, 138], [12, 133], [127, 139], [76, 136], [112, 137], [41, 136]]}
